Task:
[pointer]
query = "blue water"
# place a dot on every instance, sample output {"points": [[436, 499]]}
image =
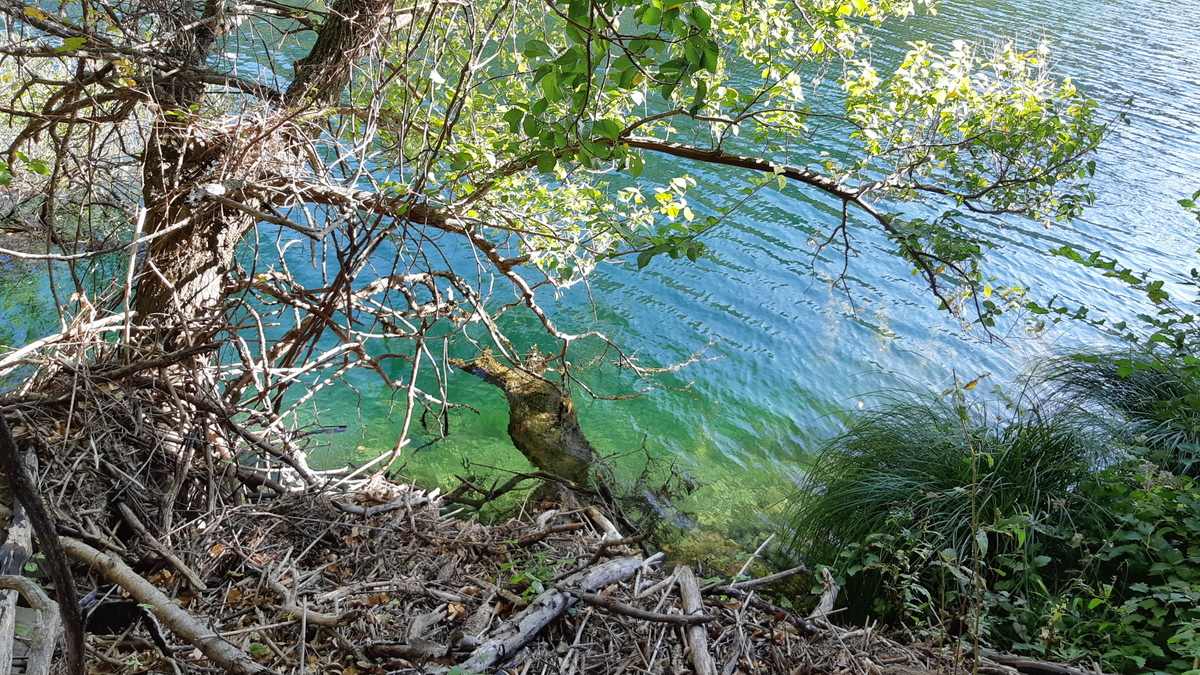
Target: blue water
{"points": [[786, 354]]}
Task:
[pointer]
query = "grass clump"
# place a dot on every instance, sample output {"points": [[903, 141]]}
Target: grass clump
{"points": [[1066, 527], [944, 466], [1155, 401]]}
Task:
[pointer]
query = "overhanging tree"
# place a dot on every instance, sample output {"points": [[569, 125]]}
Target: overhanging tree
{"points": [[446, 163]]}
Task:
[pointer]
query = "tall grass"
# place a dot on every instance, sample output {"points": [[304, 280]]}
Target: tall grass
{"points": [[1156, 402], [944, 467]]}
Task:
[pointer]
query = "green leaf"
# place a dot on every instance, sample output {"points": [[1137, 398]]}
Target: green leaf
{"points": [[550, 87], [636, 165], [514, 117], [535, 48], [711, 56], [546, 162], [608, 128], [699, 97], [258, 650], [72, 44]]}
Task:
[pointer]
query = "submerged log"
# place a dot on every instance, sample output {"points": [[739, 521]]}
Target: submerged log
{"points": [[541, 417]]}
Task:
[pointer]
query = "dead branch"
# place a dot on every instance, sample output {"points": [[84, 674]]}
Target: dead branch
{"points": [[169, 555], [634, 612], [216, 648], [697, 638], [1033, 666], [511, 636]]}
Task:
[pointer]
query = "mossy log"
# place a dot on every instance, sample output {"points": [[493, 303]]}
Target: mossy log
{"points": [[541, 416]]}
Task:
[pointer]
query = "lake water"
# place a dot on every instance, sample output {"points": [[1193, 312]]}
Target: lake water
{"points": [[786, 354]]}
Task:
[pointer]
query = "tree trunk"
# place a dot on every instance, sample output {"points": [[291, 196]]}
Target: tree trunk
{"points": [[541, 417], [183, 271]]}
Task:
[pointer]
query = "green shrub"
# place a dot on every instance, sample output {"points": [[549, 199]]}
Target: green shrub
{"points": [[1135, 598], [1027, 533], [1119, 585]]}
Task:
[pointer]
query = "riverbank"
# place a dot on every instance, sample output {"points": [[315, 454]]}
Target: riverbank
{"points": [[294, 585], [189, 561]]}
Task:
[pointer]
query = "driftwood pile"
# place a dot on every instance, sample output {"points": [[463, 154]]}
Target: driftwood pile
{"points": [[294, 586], [201, 543]]}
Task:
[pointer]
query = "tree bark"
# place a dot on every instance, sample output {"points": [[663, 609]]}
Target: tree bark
{"points": [[541, 417], [184, 270]]}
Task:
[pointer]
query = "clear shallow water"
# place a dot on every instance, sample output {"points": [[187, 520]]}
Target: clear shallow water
{"points": [[787, 354]]}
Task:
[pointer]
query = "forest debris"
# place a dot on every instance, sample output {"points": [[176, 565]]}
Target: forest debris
{"points": [[134, 522], [23, 485], [181, 623], [45, 633], [13, 554], [511, 636]]}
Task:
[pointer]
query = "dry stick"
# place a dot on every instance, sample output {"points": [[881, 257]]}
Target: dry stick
{"points": [[610, 531], [512, 635], [534, 537], [638, 613], [13, 359], [1033, 666], [754, 583], [176, 561], [697, 638], [13, 554], [24, 490], [218, 650], [300, 611]]}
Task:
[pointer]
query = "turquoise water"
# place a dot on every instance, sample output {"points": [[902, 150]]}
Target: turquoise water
{"points": [[786, 353]]}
